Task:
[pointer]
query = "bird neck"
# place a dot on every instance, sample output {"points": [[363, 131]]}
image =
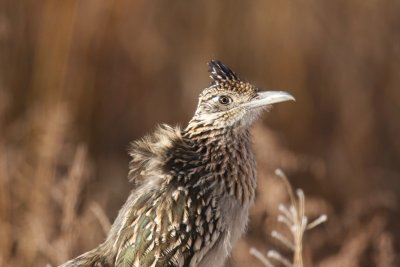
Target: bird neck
{"points": [[209, 133], [227, 153]]}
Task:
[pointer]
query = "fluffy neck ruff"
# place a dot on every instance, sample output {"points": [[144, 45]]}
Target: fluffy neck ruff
{"points": [[208, 160]]}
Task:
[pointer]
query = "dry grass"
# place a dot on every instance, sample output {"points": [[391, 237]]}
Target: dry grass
{"points": [[41, 189], [297, 223], [79, 80]]}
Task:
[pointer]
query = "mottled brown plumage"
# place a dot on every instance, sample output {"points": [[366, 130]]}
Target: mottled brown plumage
{"points": [[192, 187]]}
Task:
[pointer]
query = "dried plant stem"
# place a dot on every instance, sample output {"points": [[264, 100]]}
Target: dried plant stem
{"points": [[293, 217], [256, 253], [101, 217]]}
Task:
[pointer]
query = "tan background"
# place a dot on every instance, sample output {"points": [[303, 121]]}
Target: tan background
{"points": [[79, 80]]}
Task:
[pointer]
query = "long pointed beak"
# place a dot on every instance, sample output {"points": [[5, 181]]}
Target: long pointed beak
{"points": [[267, 98]]}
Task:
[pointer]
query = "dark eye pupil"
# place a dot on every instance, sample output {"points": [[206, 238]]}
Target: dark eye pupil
{"points": [[224, 100]]}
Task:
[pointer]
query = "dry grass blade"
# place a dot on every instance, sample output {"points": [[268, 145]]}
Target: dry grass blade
{"points": [[73, 187], [100, 215], [256, 253], [294, 219]]}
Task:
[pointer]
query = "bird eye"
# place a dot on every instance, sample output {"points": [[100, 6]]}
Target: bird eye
{"points": [[224, 100]]}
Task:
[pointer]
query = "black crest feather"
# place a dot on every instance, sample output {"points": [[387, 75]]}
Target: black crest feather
{"points": [[220, 72]]}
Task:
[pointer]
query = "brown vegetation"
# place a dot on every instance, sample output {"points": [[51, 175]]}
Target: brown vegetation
{"points": [[79, 80]]}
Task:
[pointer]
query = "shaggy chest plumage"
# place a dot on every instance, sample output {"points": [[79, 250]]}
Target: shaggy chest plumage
{"points": [[192, 187], [179, 218]]}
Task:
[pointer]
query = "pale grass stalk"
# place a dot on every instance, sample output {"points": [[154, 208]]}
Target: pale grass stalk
{"points": [[101, 217], [294, 219], [38, 222], [260, 257], [74, 185]]}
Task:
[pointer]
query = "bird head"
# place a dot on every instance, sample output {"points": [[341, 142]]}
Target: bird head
{"points": [[231, 102]]}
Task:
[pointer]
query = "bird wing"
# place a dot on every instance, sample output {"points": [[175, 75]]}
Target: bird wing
{"points": [[167, 228], [165, 222]]}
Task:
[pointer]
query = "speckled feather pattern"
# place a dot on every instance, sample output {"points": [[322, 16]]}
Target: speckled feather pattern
{"points": [[192, 189]]}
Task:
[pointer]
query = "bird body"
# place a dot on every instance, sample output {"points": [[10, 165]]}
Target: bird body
{"points": [[193, 186]]}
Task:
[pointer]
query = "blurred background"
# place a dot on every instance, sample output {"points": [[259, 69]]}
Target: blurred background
{"points": [[79, 80]]}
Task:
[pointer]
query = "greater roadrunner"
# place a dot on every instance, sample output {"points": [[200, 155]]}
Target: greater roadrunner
{"points": [[193, 187]]}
